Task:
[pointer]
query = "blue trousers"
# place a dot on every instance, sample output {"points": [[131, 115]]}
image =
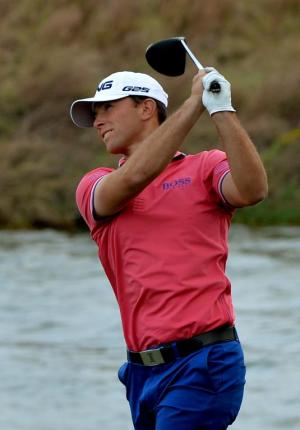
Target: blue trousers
{"points": [[202, 391]]}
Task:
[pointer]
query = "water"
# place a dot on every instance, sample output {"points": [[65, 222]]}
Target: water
{"points": [[61, 341]]}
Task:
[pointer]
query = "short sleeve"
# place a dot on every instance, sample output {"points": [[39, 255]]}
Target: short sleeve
{"points": [[217, 167], [85, 194]]}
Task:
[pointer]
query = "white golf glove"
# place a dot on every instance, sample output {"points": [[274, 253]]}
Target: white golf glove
{"points": [[216, 102]]}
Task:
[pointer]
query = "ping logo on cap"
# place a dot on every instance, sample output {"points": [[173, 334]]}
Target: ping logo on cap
{"points": [[105, 86]]}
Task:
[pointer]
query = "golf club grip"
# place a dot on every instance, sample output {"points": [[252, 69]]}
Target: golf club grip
{"points": [[215, 87]]}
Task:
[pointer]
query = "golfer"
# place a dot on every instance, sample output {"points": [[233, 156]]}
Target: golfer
{"points": [[161, 222]]}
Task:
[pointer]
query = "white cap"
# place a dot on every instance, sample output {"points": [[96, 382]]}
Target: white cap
{"points": [[117, 86]]}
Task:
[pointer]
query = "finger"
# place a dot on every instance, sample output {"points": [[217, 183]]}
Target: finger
{"points": [[200, 73], [210, 69]]}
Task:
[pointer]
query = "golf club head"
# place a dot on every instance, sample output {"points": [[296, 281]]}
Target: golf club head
{"points": [[167, 56]]}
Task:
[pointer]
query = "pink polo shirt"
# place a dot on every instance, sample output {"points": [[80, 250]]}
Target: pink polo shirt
{"points": [[165, 253]]}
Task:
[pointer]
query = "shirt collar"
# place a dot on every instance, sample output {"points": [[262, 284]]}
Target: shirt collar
{"points": [[177, 156]]}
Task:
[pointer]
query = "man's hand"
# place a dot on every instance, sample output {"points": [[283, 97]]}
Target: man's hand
{"points": [[216, 102], [197, 85]]}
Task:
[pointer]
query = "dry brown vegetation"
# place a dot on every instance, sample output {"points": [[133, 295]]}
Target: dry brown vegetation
{"points": [[54, 52]]}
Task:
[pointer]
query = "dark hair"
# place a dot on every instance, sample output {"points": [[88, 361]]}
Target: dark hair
{"points": [[161, 108]]}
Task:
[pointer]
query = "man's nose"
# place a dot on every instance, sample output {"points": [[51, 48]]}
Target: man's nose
{"points": [[99, 120]]}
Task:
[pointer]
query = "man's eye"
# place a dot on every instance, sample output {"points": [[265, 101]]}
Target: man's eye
{"points": [[107, 106], [101, 107]]}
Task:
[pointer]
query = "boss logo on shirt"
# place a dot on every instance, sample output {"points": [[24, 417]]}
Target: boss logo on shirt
{"points": [[176, 183]]}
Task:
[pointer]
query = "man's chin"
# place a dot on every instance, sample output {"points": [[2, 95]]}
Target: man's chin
{"points": [[114, 150]]}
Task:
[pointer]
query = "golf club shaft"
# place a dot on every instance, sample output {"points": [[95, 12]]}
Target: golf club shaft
{"points": [[214, 86], [192, 56]]}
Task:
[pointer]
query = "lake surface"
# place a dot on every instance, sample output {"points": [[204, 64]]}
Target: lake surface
{"points": [[61, 341]]}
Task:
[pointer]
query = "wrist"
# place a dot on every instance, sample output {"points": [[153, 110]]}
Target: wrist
{"points": [[223, 115], [195, 102], [225, 121]]}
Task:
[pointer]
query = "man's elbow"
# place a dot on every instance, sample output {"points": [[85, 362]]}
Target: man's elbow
{"points": [[257, 195]]}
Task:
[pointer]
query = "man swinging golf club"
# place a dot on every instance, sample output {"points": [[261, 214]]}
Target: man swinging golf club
{"points": [[161, 223]]}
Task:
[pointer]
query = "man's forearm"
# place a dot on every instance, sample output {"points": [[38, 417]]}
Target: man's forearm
{"points": [[246, 167], [158, 149]]}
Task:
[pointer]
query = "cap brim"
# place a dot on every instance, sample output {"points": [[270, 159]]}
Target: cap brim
{"points": [[81, 111]]}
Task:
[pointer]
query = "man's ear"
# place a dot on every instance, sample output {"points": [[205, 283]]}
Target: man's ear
{"points": [[148, 108]]}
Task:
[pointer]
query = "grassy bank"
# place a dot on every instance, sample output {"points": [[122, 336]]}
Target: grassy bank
{"points": [[55, 52]]}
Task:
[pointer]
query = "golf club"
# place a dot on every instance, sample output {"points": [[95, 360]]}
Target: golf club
{"points": [[168, 57]]}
